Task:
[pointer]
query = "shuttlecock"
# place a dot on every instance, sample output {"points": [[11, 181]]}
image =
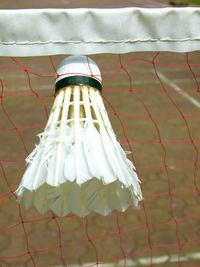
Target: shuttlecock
{"points": [[79, 166]]}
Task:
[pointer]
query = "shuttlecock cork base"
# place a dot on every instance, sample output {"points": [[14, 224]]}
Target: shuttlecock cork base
{"points": [[78, 166]]}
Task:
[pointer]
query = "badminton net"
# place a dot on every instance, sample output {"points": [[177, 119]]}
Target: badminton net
{"points": [[151, 93]]}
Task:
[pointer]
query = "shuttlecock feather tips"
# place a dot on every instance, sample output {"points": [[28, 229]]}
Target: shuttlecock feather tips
{"points": [[78, 165]]}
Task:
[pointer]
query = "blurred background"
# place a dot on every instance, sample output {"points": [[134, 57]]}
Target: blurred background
{"points": [[95, 4]]}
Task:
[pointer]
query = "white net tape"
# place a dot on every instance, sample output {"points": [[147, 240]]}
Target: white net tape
{"points": [[36, 32]]}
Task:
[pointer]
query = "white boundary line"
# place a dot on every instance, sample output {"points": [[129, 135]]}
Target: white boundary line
{"points": [[178, 89], [145, 261]]}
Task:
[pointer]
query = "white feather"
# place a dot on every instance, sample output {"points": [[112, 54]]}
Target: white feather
{"points": [[95, 155], [79, 166]]}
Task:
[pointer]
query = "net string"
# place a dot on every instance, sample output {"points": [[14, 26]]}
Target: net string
{"points": [[120, 234]]}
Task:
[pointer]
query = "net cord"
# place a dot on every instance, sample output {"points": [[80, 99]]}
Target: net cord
{"points": [[42, 32]]}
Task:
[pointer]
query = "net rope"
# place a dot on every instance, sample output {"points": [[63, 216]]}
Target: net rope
{"points": [[150, 99]]}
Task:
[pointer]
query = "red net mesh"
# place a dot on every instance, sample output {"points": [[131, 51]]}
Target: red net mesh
{"points": [[153, 103]]}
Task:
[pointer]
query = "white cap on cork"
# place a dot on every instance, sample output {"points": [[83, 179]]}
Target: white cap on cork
{"points": [[77, 70]]}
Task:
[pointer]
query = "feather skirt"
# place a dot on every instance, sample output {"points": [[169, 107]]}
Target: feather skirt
{"points": [[78, 165]]}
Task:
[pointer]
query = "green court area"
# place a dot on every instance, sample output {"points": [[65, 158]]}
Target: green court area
{"points": [[184, 2]]}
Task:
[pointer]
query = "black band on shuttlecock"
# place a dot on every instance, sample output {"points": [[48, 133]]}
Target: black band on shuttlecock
{"points": [[78, 80]]}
